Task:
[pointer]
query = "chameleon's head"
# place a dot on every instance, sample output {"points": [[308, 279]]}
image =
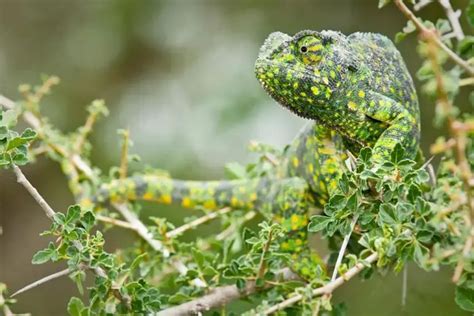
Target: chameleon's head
{"points": [[303, 72]]}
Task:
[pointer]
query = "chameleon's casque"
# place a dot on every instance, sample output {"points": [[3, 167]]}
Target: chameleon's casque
{"points": [[357, 91]]}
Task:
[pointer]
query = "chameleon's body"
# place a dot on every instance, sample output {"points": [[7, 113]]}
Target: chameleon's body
{"points": [[359, 93]]}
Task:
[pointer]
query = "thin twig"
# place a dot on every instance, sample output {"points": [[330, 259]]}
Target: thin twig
{"points": [[326, 289], [229, 230], [262, 266], [459, 135], [85, 131], [404, 286], [466, 81], [423, 29], [195, 223], [20, 178], [42, 281], [115, 222], [141, 229], [124, 154], [460, 266], [343, 248], [453, 17], [84, 167]]}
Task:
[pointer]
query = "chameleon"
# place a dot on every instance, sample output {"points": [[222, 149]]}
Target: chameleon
{"points": [[355, 90]]}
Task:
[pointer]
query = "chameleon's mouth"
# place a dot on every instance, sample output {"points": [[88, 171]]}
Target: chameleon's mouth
{"points": [[261, 67], [291, 94]]}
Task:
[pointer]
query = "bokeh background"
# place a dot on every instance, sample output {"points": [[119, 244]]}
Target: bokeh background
{"points": [[179, 75]]}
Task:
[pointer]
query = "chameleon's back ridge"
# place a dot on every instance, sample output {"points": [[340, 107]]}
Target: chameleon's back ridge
{"points": [[357, 91]]}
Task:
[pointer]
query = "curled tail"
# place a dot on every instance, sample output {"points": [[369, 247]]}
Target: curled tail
{"points": [[243, 194]]}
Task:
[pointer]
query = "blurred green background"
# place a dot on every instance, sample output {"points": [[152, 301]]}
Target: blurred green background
{"points": [[179, 75]]}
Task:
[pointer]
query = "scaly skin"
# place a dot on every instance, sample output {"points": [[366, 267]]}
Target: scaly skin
{"points": [[357, 91]]}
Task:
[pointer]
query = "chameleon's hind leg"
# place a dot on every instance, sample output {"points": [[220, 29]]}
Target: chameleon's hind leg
{"points": [[290, 207]]}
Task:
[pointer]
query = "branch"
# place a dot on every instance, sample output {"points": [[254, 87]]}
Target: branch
{"points": [[343, 248], [327, 289], [124, 154], [41, 281], [423, 29], [20, 178], [83, 166], [141, 229], [220, 296], [115, 222], [199, 221], [453, 18]]}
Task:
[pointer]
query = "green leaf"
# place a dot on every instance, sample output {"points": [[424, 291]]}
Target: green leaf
{"points": [[75, 306], [72, 215], [16, 142], [424, 236], [9, 118], [466, 46], [365, 154], [178, 298], [88, 220], [240, 283], [318, 223], [43, 256], [400, 36], [470, 13], [397, 154], [383, 3], [234, 170], [464, 297], [28, 134], [443, 26], [137, 261], [387, 214]]}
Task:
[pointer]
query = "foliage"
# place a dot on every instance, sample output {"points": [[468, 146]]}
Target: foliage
{"points": [[402, 212]]}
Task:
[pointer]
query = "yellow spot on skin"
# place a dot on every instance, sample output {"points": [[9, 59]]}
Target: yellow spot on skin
{"points": [[166, 199], [186, 202], [295, 85], [372, 103], [351, 105], [148, 196], [295, 222], [327, 151], [315, 90], [253, 196], [315, 48], [234, 201], [315, 58], [332, 74], [295, 161], [310, 168], [210, 204], [361, 94]]}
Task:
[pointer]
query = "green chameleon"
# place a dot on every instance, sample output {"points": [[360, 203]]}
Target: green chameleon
{"points": [[357, 91]]}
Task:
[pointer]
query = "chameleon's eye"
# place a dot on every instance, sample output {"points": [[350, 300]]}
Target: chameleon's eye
{"points": [[310, 49]]}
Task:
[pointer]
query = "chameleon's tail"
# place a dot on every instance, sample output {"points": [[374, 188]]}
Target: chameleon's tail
{"points": [[284, 200], [242, 194]]}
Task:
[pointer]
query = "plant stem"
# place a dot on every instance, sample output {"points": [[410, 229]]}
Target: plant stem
{"points": [[20, 178], [423, 29]]}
